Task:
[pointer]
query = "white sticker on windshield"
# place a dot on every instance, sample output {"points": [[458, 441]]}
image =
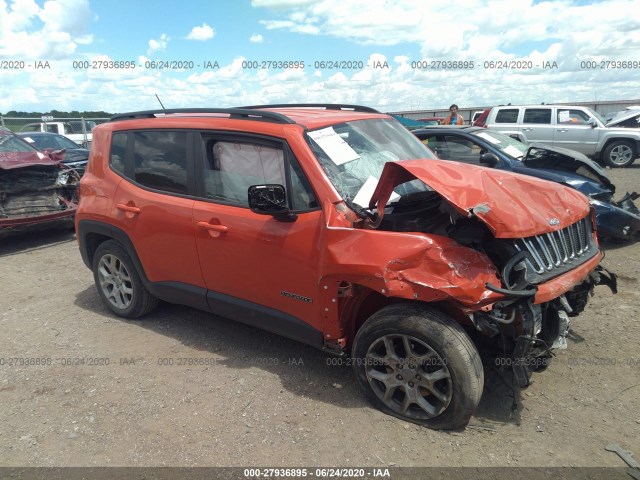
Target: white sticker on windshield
{"points": [[489, 138], [28, 139], [366, 192], [333, 145], [513, 151]]}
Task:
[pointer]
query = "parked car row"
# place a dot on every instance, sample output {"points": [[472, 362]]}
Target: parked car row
{"points": [[574, 127]]}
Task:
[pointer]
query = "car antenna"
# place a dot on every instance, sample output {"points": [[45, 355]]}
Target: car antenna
{"points": [[160, 101]]}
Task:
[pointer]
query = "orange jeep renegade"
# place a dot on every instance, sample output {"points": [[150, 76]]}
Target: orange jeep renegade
{"points": [[334, 226]]}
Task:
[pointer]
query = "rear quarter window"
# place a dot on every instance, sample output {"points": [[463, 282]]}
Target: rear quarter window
{"points": [[507, 115], [118, 152], [152, 159], [160, 160]]}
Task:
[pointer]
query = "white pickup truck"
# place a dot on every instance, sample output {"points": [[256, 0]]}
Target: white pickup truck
{"points": [[77, 130]]}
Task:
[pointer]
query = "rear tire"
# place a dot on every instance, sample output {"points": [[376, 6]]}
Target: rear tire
{"points": [[119, 283], [418, 364], [619, 154]]}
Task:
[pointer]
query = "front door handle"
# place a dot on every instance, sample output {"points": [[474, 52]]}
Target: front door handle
{"points": [[214, 229], [128, 208], [563, 130]]}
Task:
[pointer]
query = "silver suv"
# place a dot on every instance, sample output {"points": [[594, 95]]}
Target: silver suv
{"points": [[573, 127]]}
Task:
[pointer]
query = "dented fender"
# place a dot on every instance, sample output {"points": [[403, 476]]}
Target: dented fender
{"points": [[406, 265]]}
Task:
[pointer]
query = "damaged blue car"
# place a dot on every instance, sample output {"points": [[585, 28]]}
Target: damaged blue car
{"points": [[616, 220]]}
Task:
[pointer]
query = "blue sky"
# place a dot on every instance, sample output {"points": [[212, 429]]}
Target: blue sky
{"points": [[563, 34]]}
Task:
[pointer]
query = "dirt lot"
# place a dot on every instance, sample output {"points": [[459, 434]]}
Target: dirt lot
{"points": [[184, 388]]}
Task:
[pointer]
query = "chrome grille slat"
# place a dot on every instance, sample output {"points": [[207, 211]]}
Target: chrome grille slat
{"points": [[529, 247], [558, 250], [548, 261], [565, 248]]}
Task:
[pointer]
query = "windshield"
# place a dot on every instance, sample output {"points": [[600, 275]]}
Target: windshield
{"points": [[512, 147], [597, 115], [10, 143], [353, 155]]}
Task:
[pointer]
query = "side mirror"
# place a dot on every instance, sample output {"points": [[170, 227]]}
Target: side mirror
{"points": [[270, 200], [489, 159], [592, 122]]}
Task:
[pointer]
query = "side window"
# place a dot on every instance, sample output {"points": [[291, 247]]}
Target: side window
{"points": [[537, 116], [118, 152], [507, 115], [462, 150], [232, 167], [435, 143], [160, 160], [572, 117]]}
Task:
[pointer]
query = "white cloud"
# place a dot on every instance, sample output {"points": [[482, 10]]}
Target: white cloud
{"points": [[159, 44], [562, 31], [53, 31], [202, 33]]}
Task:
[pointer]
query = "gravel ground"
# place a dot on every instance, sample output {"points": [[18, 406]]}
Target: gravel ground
{"points": [[185, 388]]}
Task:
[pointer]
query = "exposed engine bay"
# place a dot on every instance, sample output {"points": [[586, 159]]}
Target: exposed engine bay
{"points": [[526, 332]]}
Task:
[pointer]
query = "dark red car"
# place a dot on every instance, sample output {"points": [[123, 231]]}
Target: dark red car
{"points": [[36, 189]]}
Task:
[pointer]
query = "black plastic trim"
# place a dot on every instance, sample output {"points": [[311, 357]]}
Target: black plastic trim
{"points": [[265, 318], [234, 113], [326, 106]]}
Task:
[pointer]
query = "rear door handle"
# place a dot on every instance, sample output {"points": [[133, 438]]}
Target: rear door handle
{"points": [[128, 208]]}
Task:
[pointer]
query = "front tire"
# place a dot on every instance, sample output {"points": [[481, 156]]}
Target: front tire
{"points": [[119, 283], [418, 364], [619, 154]]}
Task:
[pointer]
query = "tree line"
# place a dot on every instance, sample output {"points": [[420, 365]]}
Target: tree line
{"points": [[57, 114]]}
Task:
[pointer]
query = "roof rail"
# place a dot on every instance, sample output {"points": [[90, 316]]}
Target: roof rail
{"points": [[327, 106], [235, 113]]}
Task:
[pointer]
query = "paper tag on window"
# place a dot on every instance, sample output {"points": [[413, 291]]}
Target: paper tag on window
{"points": [[489, 138], [563, 116], [513, 151], [334, 146]]}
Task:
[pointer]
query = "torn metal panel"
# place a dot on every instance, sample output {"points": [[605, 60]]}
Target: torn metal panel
{"points": [[411, 266], [527, 207]]}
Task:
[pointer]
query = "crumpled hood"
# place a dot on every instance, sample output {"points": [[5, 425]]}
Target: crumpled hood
{"points": [[511, 205], [10, 160]]}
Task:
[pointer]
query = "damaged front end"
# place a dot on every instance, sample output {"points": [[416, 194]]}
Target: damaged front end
{"points": [[538, 238], [35, 192]]}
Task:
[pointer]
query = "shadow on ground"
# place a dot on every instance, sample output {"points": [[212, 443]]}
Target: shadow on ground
{"points": [[24, 242], [302, 369]]}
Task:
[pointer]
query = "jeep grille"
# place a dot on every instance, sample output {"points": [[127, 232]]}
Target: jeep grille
{"points": [[556, 252]]}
